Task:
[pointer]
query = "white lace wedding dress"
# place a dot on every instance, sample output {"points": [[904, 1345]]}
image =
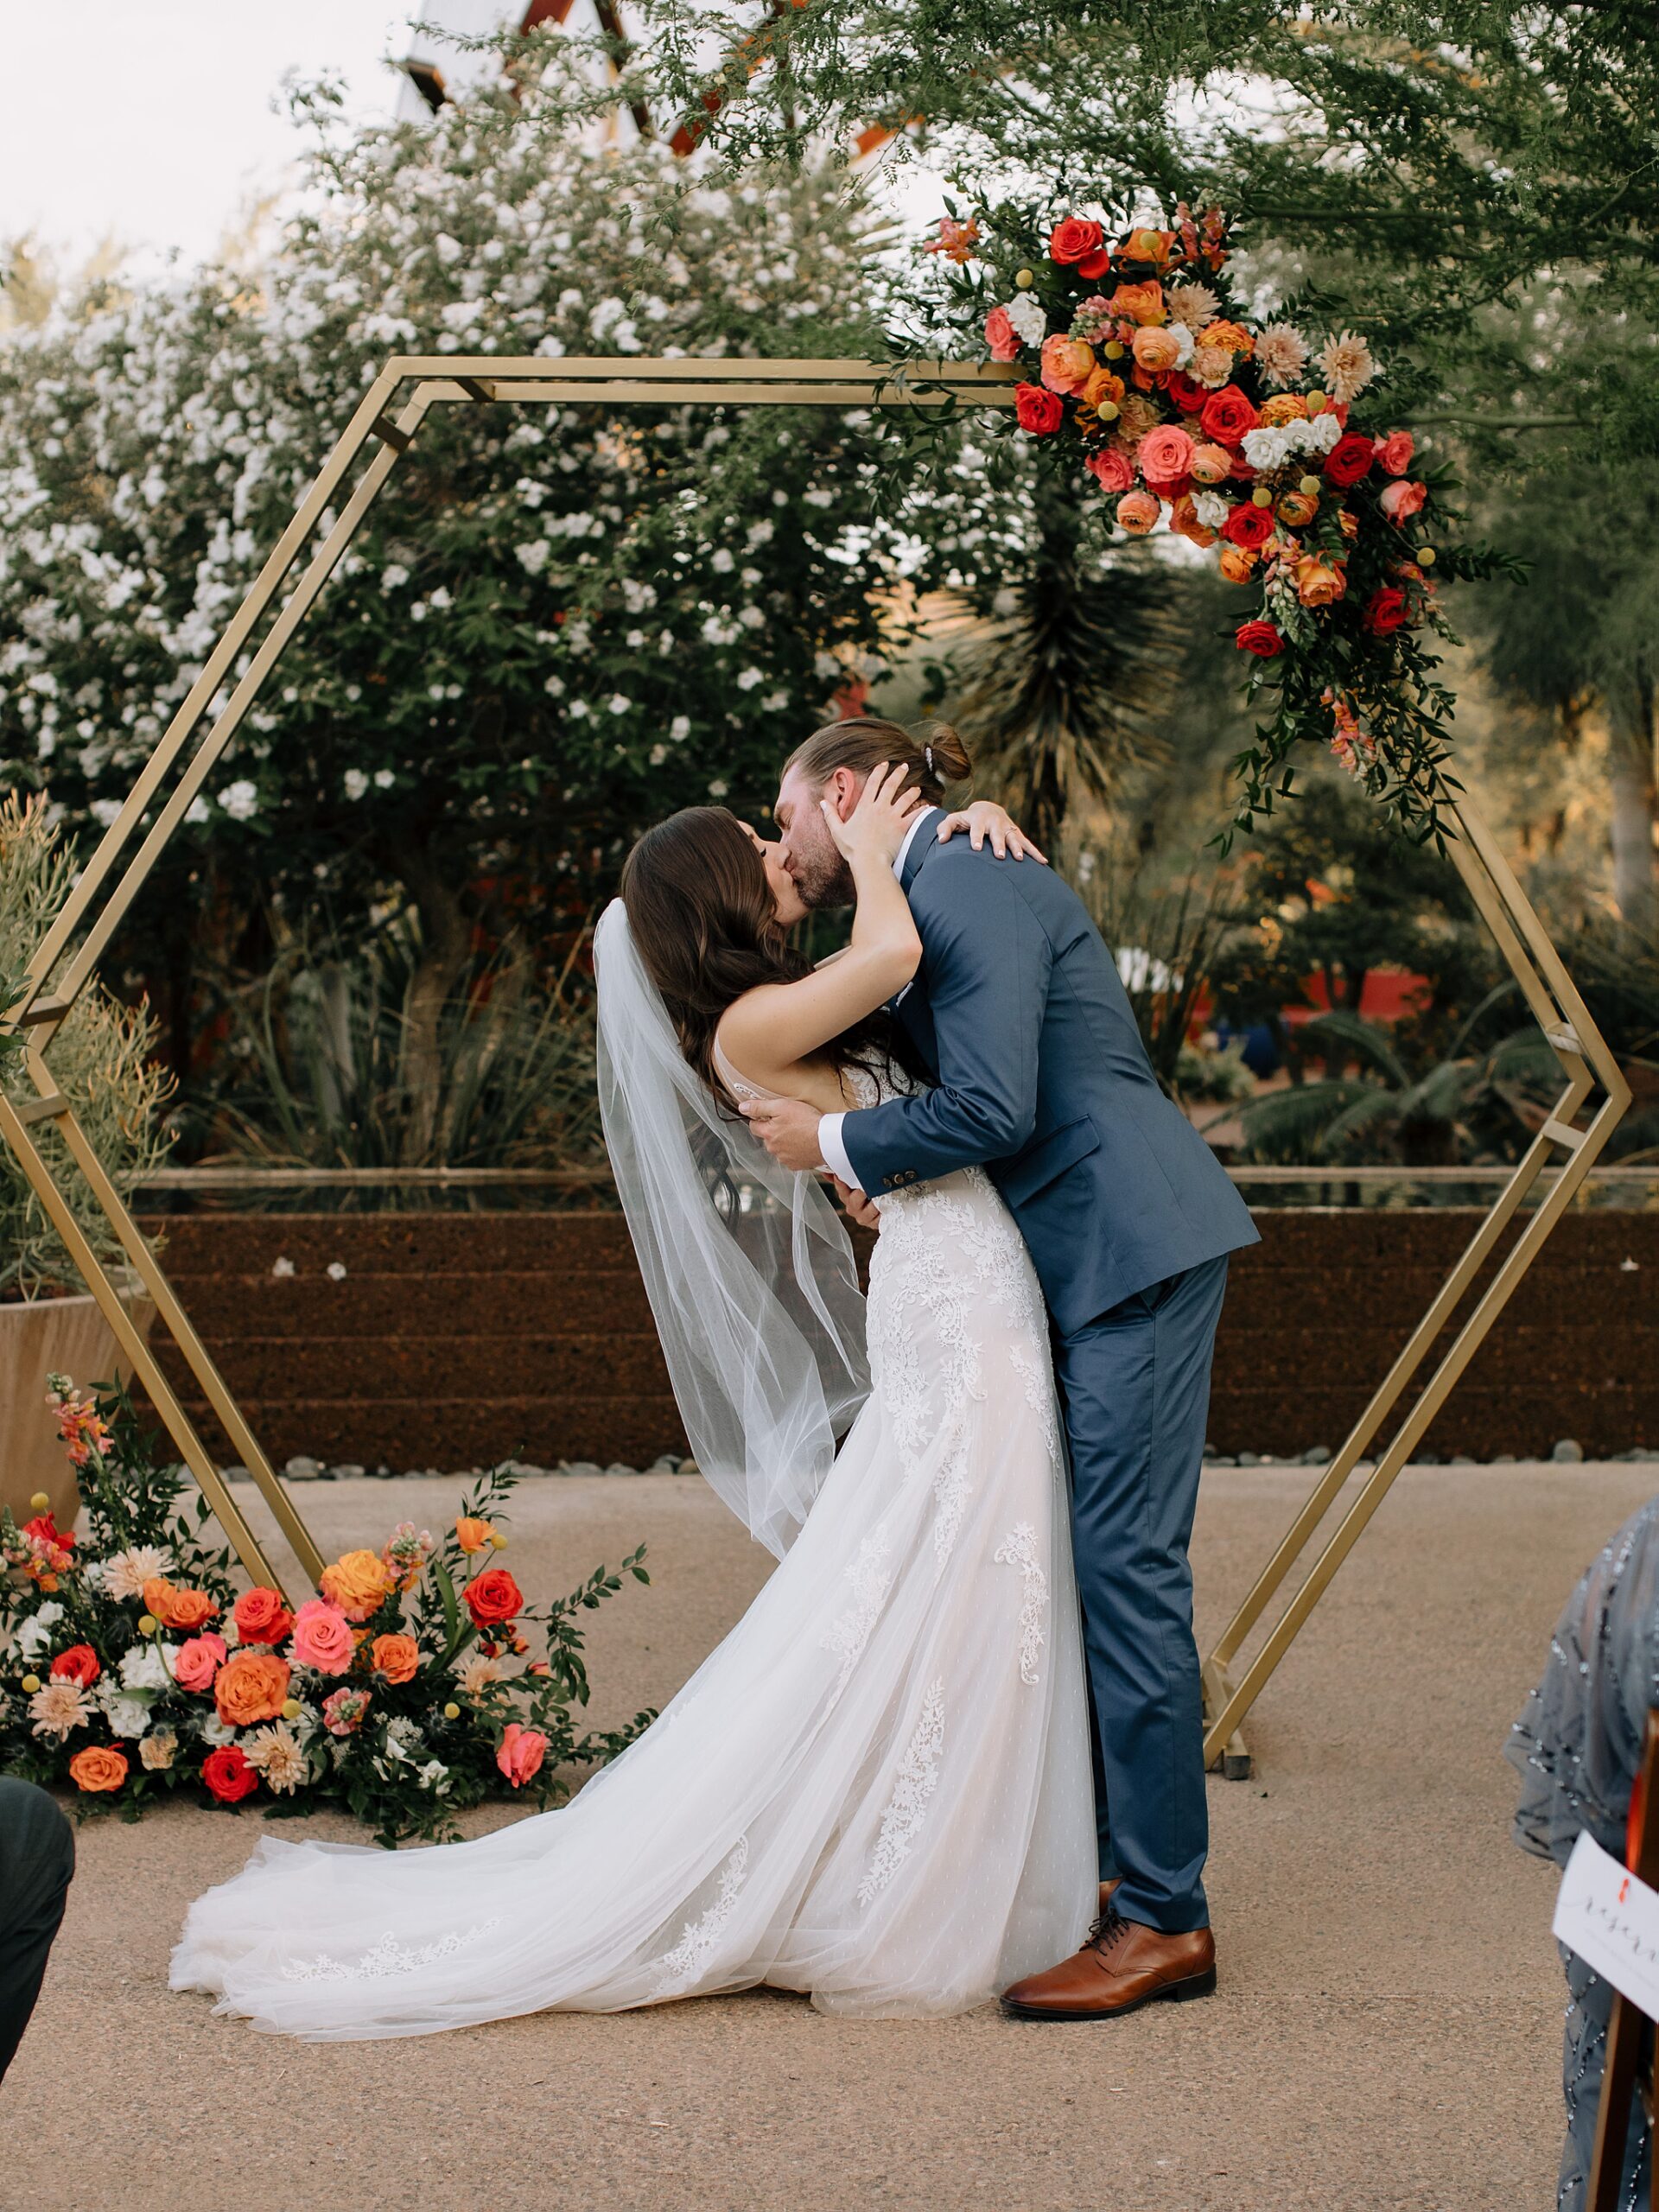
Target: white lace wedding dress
{"points": [[876, 1790]]}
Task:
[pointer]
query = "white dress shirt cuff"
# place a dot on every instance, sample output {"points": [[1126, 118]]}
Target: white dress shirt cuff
{"points": [[833, 1151]]}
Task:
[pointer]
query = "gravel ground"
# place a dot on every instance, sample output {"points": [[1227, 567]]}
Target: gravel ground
{"points": [[1386, 2034]]}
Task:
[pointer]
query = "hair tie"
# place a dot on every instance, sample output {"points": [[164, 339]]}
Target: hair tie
{"points": [[928, 751]]}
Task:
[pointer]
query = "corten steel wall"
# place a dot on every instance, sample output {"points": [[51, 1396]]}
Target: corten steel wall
{"points": [[454, 1339]]}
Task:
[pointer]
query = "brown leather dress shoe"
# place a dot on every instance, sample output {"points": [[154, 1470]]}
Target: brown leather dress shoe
{"points": [[1123, 1965]]}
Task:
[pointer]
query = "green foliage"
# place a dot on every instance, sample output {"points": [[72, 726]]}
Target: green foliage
{"points": [[1164, 942]]}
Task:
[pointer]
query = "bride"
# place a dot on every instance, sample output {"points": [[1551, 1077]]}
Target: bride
{"points": [[877, 1790]]}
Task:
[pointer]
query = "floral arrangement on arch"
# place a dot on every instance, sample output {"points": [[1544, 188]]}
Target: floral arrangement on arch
{"points": [[131, 1666], [1260, 442]]}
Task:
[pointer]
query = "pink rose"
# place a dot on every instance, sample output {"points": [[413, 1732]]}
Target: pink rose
{"points": [[323, 1638], [999, 335], [520, 1753], [1395, 450], [1137, 512], [199, 1659], [1166, 454], [1111, 470], [1401, 499], [1067, 363]]}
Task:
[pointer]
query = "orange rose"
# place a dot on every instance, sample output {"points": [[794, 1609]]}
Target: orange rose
{"points": [[1284, 407], [358, 1583], [1102, 386], [100, 1766], [1297, 508], [1184, 522], [1142, 303], [1236, 563], [1211, 464], [396, 1657], [1155, 348], [473, 1535], [1319, 581], [188, 1610], [1154, 246], [1137, 512], [252, 1685], [1227, 334]]}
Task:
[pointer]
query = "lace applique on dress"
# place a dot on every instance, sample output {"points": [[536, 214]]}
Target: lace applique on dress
{"points": [[871, 1577], [1020, 1550], [918, 1774], [386, 1957], [685, 1963]]}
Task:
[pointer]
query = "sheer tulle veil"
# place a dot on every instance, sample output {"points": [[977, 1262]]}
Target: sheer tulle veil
{"points": [[748, 1267]]}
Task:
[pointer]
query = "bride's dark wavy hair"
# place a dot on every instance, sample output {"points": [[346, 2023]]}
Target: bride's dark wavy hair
{"points": [[701, 912]]}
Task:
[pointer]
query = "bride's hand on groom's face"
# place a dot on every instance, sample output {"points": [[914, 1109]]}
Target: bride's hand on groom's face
{"points": [[876, 826]]}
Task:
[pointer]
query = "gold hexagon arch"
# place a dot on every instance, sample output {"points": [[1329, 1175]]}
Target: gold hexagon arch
{"points": [[390, 415]]}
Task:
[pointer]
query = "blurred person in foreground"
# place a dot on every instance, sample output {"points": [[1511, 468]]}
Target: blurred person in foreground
{"points": [[37, 1858]]}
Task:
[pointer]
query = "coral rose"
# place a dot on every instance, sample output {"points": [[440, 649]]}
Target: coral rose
{"points": [[100, 1766], [396, 1657], [1166, 454], [1110, 470], [1227, 415], [176, 1608], [493, 1596], [1137, 512], [1184, 522], [1260, 639], [198, 1660], [1394, 452], [79, 1664], [1385, 611], [228, 1775], [1400, 500], [1237, 564], [1038, 411], [1142, 303], [261, 1617], [249, 1687], [1319, 581], [323, 1638], [1211, 464], [1067, 363], [358, 1583], [1349, 459], [1000, 335], [520, 1753], [1247, 526], [1156, 348], [473, 1535], [1081, 244]]}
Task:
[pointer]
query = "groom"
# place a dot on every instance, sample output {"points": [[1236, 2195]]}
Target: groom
{"points": [[1042, 1079]]}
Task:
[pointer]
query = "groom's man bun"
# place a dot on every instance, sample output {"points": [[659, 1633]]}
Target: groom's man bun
{"points": [[932, 753]]}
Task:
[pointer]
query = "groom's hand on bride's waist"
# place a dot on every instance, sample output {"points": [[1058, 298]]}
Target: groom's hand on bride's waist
{"points": [[856, 1206], [789, 1129]]}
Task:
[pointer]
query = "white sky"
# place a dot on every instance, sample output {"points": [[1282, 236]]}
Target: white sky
{"points": [[153, 121]]}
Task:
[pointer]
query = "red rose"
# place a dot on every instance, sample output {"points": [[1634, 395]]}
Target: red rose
{"points": [[44, 1530], [261, 1617], [1040, 412], [1349, 459], [1260, 639], [1385, 611], [1190, 396], [1227, 415], [493, 1596], [227, 1774], [78, 1664], [1080, 244], [1249, 526]]}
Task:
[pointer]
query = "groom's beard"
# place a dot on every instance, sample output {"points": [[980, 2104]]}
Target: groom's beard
{"points": [[824, 880]]}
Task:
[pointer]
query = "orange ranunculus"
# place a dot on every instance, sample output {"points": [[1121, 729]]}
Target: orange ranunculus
{"points": [[1211, 464], [1319, 581], [1154, 246], [396, 1657], [358, 1583], [1184, 522], [1297, 508], [1283, 407], [251, 1686], [1142, 303], [1156, 347], [1228, 334], [1066, 363], [1137, 512], [1103, 385], [1237, 564], [100, 1766], [473, 1535], [185, 1608]]}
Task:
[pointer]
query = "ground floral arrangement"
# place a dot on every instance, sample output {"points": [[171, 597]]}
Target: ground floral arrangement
{"points": [[130, 1665], [1262, 441]]}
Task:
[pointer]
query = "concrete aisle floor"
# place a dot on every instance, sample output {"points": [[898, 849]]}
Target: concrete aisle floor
{"points": [[1386, 2034]]}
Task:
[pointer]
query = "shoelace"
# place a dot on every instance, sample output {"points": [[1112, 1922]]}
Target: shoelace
{"points": [[1107, 1930]]}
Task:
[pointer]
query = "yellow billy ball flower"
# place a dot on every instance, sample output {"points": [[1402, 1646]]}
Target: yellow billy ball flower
{"points": [[498, 1541], [1261, 497], [148, 1623], [1316, 403], [1024, 279], [30, 1684], [1312, 485], [452, 1711], [1109, 410], [39, 1503], [1113, 349], [292, 1709], [1425, 556]]}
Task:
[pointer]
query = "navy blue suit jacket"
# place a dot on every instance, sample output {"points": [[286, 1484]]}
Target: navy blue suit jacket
{"points": [[1042, 1079]]}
